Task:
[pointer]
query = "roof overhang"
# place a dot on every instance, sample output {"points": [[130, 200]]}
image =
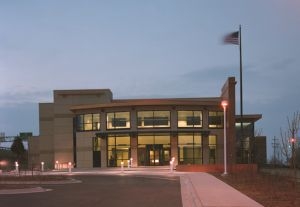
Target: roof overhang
{"points": [[248, 118], [151, 102]]}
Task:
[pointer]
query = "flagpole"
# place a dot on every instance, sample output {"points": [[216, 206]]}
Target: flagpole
{"points": [[241, 90]]}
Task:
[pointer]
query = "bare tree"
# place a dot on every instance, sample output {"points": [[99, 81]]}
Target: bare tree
{"points": [[288, 139]]}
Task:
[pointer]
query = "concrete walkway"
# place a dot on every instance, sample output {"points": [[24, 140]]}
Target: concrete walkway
{"points": [[205, 190], [197, 189]]}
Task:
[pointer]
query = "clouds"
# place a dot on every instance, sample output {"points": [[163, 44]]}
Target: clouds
{"points": [[272, 80], [21, 117], [17, 96]]}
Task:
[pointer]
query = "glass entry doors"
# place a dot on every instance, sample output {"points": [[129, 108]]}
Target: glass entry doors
{"points": [[157, 155], [154, 150], [154, 155]]}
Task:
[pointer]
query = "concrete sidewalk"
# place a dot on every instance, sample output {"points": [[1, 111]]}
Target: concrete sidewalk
{"points": [[205, 190]]}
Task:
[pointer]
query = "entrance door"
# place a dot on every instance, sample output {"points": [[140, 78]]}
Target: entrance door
{"points": [[154, 156], [157, 155], [96, 152], [96, 159]]}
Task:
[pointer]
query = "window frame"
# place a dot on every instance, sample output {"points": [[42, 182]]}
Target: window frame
{"points": [[193, 117], [111, 124], [213, 124], [194, 147], [154, 121], [82, 122]]}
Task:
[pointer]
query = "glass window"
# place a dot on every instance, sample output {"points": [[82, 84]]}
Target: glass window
{"points": [[189, 118], [142, 140], [118, 120], [96, 144], [80, 122], [152, 119], [96, 121], [190, 148], [215, 119], [88, 122], [118, 150], [212, 144]]}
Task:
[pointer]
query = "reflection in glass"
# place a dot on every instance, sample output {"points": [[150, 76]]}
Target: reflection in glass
{"points": [[88, 122], [190, 148], [118, 120], [189, 118], [152, 119], [215, 119], [118, 150]]}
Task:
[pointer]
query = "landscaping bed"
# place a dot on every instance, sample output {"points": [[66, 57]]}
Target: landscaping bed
{"points": [[270, 190]]}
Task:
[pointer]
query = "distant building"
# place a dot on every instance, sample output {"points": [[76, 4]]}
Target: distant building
{"points": [[91, 129]]}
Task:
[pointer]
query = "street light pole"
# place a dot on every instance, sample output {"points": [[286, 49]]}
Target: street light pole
{"points": [[224, 104], [293, 140]]}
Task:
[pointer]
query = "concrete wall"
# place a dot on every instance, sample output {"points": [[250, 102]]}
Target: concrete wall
{"points": [[33, 152], [46, 118], [63, 122], [84, 149], [55, 142]]}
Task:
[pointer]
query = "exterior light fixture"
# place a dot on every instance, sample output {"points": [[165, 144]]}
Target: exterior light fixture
{"points": [[224, 104]]}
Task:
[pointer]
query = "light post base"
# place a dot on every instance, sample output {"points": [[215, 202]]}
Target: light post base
{"points": [[224, 174]]}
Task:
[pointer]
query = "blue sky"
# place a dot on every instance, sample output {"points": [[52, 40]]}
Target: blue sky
{"points": [[148, 49]]}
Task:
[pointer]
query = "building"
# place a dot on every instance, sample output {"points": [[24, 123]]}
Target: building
{"points": [[91, 129]]}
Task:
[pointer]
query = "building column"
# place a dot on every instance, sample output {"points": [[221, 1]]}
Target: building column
{"points": [[103, 150], [205, 148], [174, 147], [133, 147]]}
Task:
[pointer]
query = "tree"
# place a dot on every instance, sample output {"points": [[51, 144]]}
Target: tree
{"points": [[289, 138], [18, 148]]}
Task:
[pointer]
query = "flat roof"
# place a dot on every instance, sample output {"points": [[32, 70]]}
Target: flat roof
{"points": [[248, 118]]}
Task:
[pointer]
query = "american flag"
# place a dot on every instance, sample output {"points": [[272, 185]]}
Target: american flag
{"points": [[232, 38]]}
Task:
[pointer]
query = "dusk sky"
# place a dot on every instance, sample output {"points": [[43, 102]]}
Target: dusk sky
{"points": [[148, 49]]}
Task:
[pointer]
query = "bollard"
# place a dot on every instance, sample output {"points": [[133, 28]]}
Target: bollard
{"points": [[172, 162], [70, 167], [122, 166], [42, 166], [17, 167], [56, 165], [131, 161], [128, 164], [171, 166]]}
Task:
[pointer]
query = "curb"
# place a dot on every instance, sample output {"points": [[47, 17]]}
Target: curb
{"points": [[24, 190], [54, 182]]}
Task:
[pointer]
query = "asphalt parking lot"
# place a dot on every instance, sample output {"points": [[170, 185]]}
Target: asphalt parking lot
{"points": [[104, 190]]}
